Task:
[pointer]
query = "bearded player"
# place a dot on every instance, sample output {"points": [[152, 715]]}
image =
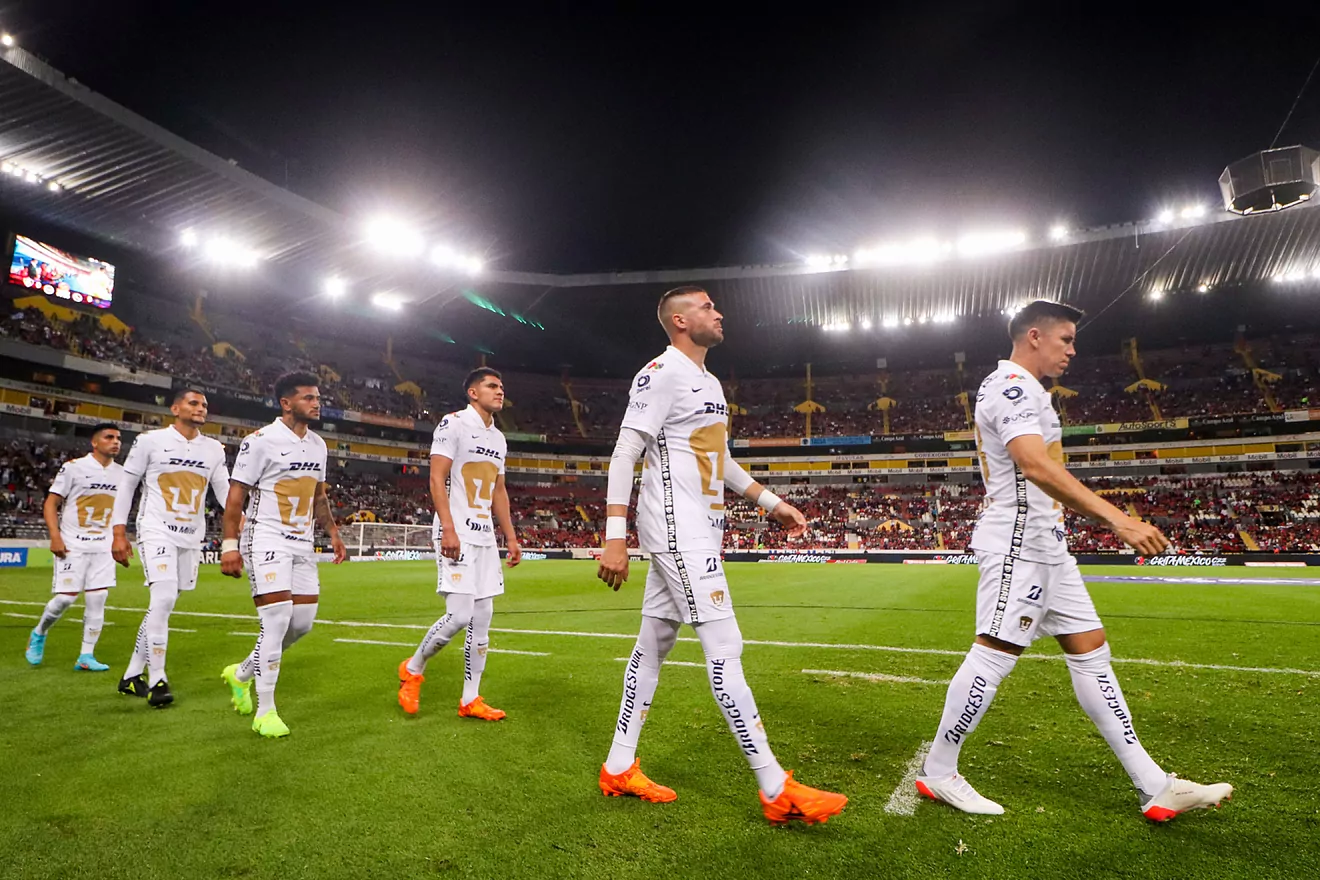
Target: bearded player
{"points": [[175, 466], [677, 417], [1030, 585], [279, 482], [471, 501], [80, 541]]}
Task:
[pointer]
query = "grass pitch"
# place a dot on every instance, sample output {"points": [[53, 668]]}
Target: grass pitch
{"points": [[98, 785]]}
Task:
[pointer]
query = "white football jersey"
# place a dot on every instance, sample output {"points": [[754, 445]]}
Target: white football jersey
{"points": [[1018, 519], [680, 408], [478, 454], [89, 491], [175, 473], [282, 472]]}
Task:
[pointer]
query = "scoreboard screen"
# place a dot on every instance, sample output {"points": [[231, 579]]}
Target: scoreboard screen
{"points": [[60, 275]]}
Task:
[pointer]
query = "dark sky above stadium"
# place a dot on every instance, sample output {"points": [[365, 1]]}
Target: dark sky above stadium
{"points": [[583, 138]]}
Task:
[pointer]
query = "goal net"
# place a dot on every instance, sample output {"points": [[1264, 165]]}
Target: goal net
{"points": [[368, 538]]}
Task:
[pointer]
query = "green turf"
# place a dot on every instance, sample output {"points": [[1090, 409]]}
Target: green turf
{"points": [[98, 785]]}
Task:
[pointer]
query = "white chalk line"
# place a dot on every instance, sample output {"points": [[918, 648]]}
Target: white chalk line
{"points": [[893, 649], [904, 799], [412, 645], [874, 676], [667, 662]]}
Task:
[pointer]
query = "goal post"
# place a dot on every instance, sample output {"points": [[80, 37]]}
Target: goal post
{"points": [[370, 538]]}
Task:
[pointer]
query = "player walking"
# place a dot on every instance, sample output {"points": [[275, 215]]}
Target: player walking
{"points": [[279, 482], [86, 487], [678, 418], [467, 488], [174, 465], [1030, 585]]}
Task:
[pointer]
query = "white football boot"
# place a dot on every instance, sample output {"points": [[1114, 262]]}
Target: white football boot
{"points": [[957, 793], [1181, 795]]}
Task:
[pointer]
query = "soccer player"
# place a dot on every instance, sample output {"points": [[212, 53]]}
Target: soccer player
{"points": [[175, 465], [86, 487], [678, 418], [279, 477], [467, 488], [1030, 585]]}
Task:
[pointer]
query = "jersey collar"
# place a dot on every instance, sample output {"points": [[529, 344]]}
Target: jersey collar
{"points": [[278, 424], [477, 420], [684, 359]]}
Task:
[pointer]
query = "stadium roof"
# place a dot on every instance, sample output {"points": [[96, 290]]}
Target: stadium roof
{"points": [[124, 179]]}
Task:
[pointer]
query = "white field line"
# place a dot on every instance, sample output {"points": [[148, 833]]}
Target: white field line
{"points": [[667, 662], [874, 676], [893, 649], [411, 644], [904, 800], [249, 635]]}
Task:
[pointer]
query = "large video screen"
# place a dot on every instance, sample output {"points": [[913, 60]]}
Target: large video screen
{"points": [[61, 275]]}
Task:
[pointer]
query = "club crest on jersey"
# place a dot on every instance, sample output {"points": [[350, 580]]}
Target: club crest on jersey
{"points": [[164, 566], [1024, 623], [271, 576], [717, 597], [456, 577]]}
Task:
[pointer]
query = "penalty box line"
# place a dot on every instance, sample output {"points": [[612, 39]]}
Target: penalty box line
{"points": [[893, 649]]}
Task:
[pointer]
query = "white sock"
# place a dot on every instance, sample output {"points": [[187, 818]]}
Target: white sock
{"points": [[300, 624], [965, 704], [458, 614], [93, 618], [474, 648], [269, 650], [54, 610], [640, 678], [1098, 691], [156, 626], [137, 664], [722, 642]]}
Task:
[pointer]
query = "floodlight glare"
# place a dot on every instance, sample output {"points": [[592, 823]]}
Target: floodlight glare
{"points": [[866, 323], [7, 40], [1059, 233], [388, 301], [335, 287], [1165, 216], [188, 238], [389, 234]]}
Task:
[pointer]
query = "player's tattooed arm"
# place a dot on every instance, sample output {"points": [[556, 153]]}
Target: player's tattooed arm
{"points": [[326, 517]]}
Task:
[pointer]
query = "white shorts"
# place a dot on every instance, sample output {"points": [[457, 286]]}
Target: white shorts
{"points": [[1018, 600], [83, 571], [166, 562], [275, 571], [477, 572], [688, 587]]}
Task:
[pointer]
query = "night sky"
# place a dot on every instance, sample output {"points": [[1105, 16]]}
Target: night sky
{"points": [[585, 140]]}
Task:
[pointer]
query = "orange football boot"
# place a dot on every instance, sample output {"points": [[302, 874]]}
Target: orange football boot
{"points": [[635, 783], [478, 709], [797, 801], [410, 688]]}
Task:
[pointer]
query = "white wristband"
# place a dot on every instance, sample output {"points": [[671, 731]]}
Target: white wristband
{"points": [[229, 545], [768, 500], [616, 528]]}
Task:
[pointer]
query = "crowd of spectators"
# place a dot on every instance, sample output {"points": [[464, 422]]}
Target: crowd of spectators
{"points": [[1191, 381]]}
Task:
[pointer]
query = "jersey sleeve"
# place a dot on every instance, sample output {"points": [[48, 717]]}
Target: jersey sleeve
{"points": [[250, 461], [649, 401], [1009, 409], [138, 453], [445, 439], [62, 485], [220, 484]]}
